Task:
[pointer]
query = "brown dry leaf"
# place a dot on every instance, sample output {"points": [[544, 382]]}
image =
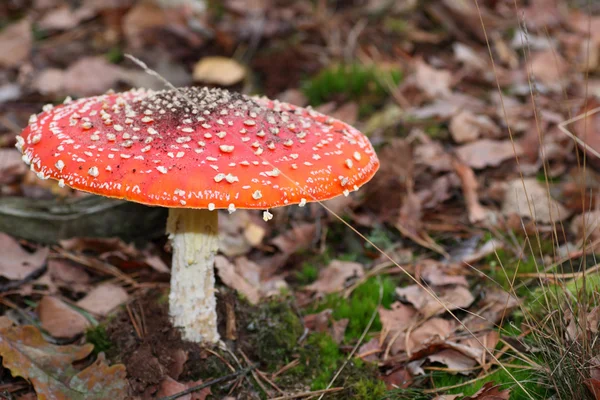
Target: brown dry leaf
{"points": [[588, 129], [447, 397], [15, 42], [88, 76], [488, 153], [454, 360], [228, 274], [170, 387], [495, 306], [469, 187], [490, 392], [333, 278], [91, 76], [540, 207], [453, 297], [370, 350], [437, 273], [434, 329], [11, 165], [549, 68], [299, 237], [434, 82], [399, 378], [466, 127], [588, 222], [104, 298], [142, 17], [257, 276], [50, 367], [398, 318], [60, 320], [318, 322], [480, 345], [218, 70], [338, 329], [15, 262], [238, 232], [68, 275], [64, 18]]}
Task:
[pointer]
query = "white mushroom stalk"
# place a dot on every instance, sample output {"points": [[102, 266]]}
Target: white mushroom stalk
{"points": [[195, 241]]}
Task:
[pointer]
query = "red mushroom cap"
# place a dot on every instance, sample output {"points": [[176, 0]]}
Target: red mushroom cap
{"points": [[197, 148]]}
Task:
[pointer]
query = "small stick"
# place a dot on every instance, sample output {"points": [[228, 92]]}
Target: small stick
{"points": [[243, 371], [306, 394]]}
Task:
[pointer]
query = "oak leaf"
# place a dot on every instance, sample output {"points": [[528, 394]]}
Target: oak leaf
{"points": [[50, 367]]}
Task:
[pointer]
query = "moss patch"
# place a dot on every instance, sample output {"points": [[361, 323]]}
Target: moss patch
{"points": [[271, 332], [99, 338], [360, 306], [366, 85]]}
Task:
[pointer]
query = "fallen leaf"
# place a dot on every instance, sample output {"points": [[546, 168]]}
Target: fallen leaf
{"points": [[433, 329], [318, 322], [488, 153], [15, 262], [91, 76], [398, 318], [11, 165], [104, 298], [370, 350], [454, 360], [238, 232], [64, 18], [453, 297], [230, 277], [496, 304], [434, 82], [436, 273], [218, 70], [466, 127], [482, 344], [338, 329], [468, 56], [549, 68], [398, 378], [60, 320], [529, 198], [299, 237], [469, 187], [15, 41], [333, 278], [50, 367], [490, 392], [170, 387]]}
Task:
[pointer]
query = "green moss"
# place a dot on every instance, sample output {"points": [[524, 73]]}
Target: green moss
{"points": [[320, 358], [360, 306], [307, 274], [368, 389], [353, 82], [274, 330], [98, 336], [114, 55]]}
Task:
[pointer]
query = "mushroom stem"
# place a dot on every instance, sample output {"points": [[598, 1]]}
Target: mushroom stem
{"points": [[195, 241]]}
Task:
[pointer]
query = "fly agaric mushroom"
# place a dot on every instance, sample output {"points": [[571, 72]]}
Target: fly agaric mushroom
{"points": [[195, 151]]}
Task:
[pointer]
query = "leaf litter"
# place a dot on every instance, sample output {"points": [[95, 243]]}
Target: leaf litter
{"points": [[449, 174]]}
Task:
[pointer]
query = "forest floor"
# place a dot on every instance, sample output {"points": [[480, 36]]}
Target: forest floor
{"points": [[466, 269]]}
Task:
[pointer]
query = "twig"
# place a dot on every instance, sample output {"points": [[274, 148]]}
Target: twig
{"points": [[209, 383], [360, 340], [306, 394]]}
